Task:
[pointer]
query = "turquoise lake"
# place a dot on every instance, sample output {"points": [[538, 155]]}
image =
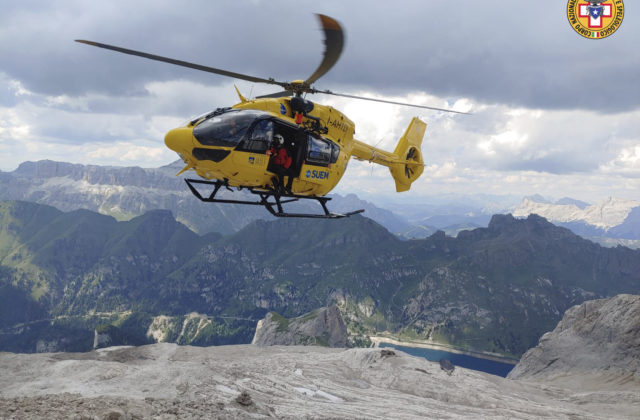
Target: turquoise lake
{"points": [[462, 360]]}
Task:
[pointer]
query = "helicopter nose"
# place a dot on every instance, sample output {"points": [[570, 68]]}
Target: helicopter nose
{"points": [[179, 139]]}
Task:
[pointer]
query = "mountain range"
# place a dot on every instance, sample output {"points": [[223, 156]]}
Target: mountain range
{"points": [[610, 218], [493, 289], [126, 192]]}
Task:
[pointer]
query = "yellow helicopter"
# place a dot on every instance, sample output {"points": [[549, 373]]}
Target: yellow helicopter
{"points": [[241, 146]]}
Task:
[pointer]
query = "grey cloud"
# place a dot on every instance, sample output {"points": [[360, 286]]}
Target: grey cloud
{"points": [[491, 51], [487, 51], [47, 60], [553, 154]]}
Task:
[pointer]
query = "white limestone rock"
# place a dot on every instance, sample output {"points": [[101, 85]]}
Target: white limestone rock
{"points": [[285, 382], [599, 338]]}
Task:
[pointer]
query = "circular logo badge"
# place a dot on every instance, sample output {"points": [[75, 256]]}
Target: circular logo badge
{"points": [[595, 19]]}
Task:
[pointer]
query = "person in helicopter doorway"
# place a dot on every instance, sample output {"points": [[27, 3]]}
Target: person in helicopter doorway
{"points": [[281, 163]]}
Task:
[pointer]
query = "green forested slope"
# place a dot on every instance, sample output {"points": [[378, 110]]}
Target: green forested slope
{"points": [[495, 289]]}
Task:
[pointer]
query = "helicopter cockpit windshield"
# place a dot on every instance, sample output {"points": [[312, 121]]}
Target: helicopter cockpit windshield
{"points": [[226, 129]]}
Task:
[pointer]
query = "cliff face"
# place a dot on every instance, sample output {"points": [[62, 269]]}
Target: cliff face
{"points": [[597, 338], [323, 327]]}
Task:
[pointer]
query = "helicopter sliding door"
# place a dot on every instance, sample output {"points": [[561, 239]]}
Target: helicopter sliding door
{"points": [[319, 168], [251, 153], [294, 144]]}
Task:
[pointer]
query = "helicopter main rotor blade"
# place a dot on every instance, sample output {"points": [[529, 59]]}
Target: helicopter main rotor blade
{"points": [[334, 42], [328, 92], [184, 63], [280, 94]]}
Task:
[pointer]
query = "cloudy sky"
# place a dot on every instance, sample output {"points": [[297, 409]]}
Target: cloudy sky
{"points": [[552, 113]]}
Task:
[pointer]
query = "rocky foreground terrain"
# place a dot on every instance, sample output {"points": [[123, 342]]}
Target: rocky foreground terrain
{"points": [[167, 381], [587, 368]]}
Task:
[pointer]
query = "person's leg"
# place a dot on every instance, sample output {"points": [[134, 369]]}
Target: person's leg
{"points": [[278, 184], [281, 181], [289, 183]]}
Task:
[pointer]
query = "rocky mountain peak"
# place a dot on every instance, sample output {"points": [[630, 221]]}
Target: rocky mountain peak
{"points": [[537, 198], [605, 214], [45, 169], [502, 221], [438, 235], [323, 327], [533, 225], [506, 223], [600, 338]]}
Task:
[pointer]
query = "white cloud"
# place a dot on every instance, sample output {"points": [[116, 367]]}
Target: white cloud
{"points": [[144, 154], [12, 126], [511, 140], [626, 163], [495, 150], [462, 153], [127, 153], [18, 89]]}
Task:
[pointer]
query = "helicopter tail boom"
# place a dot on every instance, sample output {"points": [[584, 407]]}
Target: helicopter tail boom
{"points": [[405, 163]]}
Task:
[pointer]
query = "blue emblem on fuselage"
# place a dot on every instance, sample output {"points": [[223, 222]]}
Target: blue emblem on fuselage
{"points": [[283, 110], [251, 159]]}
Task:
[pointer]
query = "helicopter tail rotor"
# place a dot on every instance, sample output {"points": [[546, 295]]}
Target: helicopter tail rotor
{"points": [[408, 153]]}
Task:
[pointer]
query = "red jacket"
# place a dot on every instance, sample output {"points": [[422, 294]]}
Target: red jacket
{"points": [[280, 157]]}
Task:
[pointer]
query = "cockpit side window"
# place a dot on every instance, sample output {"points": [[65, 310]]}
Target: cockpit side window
{"points": [[225, 130], [335, 152], [318, 151], [260, 138]]}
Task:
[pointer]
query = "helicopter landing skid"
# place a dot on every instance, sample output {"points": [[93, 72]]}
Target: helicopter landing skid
{"points": [[274, 207]]}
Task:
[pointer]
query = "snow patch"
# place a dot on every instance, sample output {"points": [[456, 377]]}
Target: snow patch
{"points": [[321, 394]]}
